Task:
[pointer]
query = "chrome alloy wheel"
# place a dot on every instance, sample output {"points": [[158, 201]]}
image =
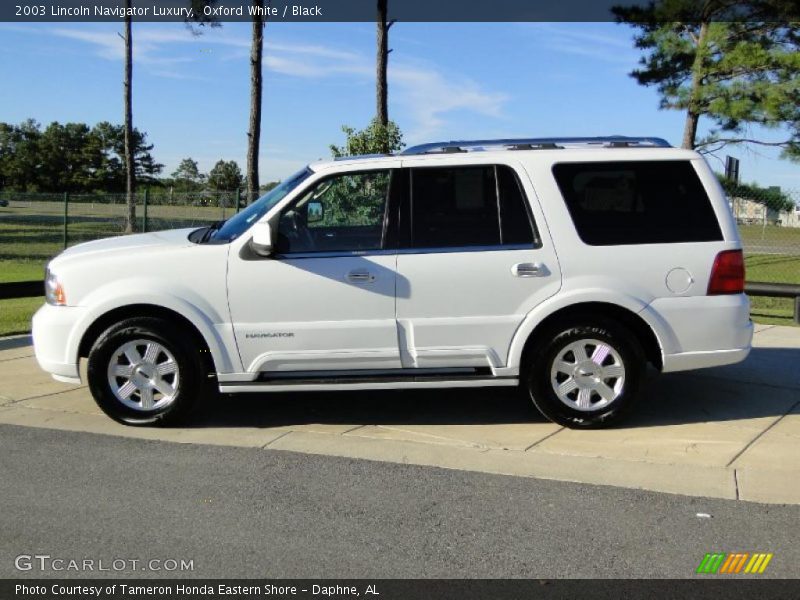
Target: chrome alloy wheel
{"points": [[587, 375], [143, 375]]}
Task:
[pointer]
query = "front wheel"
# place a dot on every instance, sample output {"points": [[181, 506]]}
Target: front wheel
{"points": [[589, 375], [145, 371]]}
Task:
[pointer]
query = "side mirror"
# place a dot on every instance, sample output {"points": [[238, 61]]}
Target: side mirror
{"points": [[261, 243], [315, 212]]}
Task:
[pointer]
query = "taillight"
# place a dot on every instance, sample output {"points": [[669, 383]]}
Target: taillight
{"points": [[727, 274]]}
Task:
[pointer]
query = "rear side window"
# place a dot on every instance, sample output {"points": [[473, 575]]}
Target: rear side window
{"points": [[643, 202], [454, 207]]}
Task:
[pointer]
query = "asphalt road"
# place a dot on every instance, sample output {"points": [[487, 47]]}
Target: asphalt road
{"points": [[259, 513]]}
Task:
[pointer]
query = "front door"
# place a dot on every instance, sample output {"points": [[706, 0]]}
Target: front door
{"points": [[326, 299]]}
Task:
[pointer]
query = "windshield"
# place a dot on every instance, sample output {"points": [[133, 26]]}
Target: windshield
{"points": [[241, 222]]}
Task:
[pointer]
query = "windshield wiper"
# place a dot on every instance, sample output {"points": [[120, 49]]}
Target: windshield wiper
{"points": [[210, 231]]}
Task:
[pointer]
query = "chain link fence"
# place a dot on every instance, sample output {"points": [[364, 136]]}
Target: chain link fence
{"points": [[37, 226], [34, 227], [769, 225]]}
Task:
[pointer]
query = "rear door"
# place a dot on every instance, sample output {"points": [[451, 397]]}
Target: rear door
{"points": [[472, 262]]}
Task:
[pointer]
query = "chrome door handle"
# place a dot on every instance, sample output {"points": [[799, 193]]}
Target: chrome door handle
{"points": [[360, 276], [529, 270]]}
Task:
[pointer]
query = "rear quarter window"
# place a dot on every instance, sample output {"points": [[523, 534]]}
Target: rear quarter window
{"points": [[642, 202]]}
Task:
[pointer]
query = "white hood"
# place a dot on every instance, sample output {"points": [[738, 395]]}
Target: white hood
{"points": [[161, 240]]}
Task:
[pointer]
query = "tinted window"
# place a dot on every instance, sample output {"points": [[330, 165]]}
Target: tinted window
{"points": [[454, 207], [637, 202], [343, 213], [458, 207]]}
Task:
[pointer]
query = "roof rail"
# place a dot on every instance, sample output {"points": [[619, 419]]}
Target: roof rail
{"points": [[612, 141], [352, 156]]}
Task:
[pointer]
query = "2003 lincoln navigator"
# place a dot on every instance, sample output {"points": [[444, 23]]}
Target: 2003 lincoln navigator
{"points": [[562, 266]]}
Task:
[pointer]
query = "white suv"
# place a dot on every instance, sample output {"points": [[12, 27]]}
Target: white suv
{"points": [[562, 266]]}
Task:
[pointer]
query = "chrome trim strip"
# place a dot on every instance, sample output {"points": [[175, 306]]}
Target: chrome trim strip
{"points": [[449, 250], [492, 248]]}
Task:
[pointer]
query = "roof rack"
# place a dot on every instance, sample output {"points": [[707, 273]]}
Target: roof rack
{"points": [[613, 141]]}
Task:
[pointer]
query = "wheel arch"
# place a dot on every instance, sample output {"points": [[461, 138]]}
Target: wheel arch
{"points": [[643, 330], [128, 311]]}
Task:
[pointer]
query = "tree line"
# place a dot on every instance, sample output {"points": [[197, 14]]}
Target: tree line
{"points": [[71, 157], [77, 158], [225, 175]]}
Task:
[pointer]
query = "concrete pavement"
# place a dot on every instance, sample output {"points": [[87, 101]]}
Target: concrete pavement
{"points": [[729, 432]]}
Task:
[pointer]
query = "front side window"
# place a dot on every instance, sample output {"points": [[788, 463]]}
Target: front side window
{"points": [[342, 213], [642, 202], [455, 207]]}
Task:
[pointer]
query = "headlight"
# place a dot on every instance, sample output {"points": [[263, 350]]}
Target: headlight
{"points": [[53, 290]]}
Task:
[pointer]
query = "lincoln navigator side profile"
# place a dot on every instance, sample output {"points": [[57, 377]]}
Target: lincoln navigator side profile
{"points": [[562, 266]]}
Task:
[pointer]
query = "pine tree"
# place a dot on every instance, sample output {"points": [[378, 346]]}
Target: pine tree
{"points": [[736, 64]]}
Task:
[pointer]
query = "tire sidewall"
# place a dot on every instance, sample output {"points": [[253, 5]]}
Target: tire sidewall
{"points": [[157, 330], [539, 378]]}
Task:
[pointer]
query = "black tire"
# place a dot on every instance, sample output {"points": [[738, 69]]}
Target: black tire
{"points": [[540, 377], [190, 380]]}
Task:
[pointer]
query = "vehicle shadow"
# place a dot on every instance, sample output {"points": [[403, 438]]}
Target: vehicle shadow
{"points": [[466, 406], [767, 384], [318, 268]]}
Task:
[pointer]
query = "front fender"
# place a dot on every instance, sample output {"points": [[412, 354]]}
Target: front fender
{"points": [[213, 325]]}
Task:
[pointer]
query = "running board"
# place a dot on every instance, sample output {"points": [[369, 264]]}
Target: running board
{"points": [[391, 385], [366, 380]]}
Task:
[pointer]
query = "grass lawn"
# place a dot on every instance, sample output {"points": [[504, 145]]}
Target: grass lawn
{"points": [[772, 268], [15, 315], [21, 270], [772, 311], [771, 234], [31, 233]]}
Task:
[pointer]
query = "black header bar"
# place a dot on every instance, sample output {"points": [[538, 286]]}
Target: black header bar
{"points": [[365, 10]]}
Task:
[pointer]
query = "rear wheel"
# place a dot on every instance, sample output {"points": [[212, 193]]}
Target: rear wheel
{"points": [[146, 371], [588, 375]]}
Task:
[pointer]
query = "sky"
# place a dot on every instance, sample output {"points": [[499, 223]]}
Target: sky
{"points": [[446, 81]]}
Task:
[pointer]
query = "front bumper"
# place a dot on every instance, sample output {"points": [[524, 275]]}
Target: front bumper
{"points": [[53, 341]]}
